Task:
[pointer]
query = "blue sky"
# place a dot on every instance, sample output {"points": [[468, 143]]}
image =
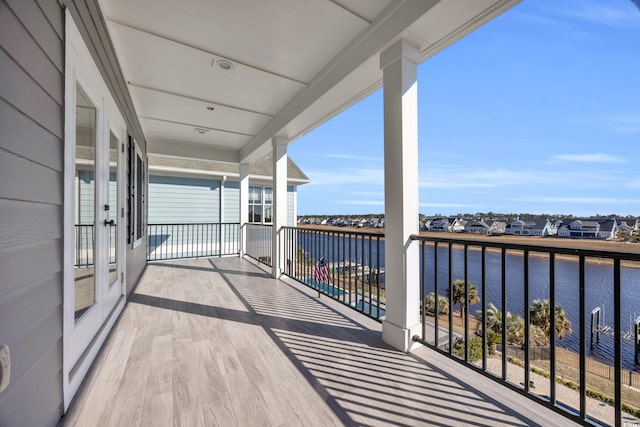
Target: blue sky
{"points": [[538, 111]]}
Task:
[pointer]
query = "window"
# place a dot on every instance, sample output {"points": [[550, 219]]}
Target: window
{"points": [[260, 204], [136, 202]]}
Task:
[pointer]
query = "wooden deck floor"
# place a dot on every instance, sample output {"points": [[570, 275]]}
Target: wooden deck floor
{"points": [[217, 342]]}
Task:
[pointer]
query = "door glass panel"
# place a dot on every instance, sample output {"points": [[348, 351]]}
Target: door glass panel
{"points": [[113, 207], [85, 283]]}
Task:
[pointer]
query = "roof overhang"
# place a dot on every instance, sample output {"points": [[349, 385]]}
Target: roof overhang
{"points": [[218, 80]]}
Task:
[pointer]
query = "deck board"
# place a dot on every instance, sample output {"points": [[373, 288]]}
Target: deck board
{"points": [[218, 342]]}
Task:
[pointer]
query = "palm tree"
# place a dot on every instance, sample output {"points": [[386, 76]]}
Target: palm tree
{"points": [[515, 329], [430, 304], [494, 318], [540, 316], [458, 295]]}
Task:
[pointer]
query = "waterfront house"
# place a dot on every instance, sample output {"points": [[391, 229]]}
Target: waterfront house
{"points": [[531, 227], [441, 224], [479, 227], [459, 225], [92, 90], [626, 226], [589, 229], [498, 227], [607, 229]]}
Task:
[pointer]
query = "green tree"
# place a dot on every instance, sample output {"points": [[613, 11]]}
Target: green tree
{"points": [[494, 318], [540, 316], [515, 329], [430, 304], [458, 295]]}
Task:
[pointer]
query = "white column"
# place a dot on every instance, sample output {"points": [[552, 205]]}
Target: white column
{"points": [[279, 145], [399, 65], [244, 206]]}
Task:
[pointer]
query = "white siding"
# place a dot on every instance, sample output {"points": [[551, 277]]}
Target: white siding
{"points": [[174, 200]]}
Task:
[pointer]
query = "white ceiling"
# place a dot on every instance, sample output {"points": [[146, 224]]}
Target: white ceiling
{"points": [[295, 63]]}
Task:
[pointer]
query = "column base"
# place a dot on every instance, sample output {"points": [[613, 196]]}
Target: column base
{"points": [[398, 337]]}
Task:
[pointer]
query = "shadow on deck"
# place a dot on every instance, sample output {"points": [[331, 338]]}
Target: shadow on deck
{"points": [[218, 342]]}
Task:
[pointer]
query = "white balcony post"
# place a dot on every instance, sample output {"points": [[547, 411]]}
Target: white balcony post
{"points": [[244, 206], [399, 65], [279, 145]]}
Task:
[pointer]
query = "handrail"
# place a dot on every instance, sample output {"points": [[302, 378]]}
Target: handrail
{"points": [[347, 266], [562, 250], [192, 240], [519, 271]]}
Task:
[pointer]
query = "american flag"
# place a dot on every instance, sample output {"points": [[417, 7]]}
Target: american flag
{"points": [[321, 272]]}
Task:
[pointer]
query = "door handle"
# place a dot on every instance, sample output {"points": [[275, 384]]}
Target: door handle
{"points": [[109, 223]]}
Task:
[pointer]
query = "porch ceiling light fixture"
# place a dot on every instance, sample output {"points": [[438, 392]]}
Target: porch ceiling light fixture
{"points": [[224, 64], [201, 131]]}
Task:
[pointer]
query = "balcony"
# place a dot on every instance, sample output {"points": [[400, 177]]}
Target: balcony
{"points": [[218, 342]]}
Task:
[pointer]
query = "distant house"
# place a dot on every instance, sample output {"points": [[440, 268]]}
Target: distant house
{"points": [[623, 227], [564, 231], [479, 227], [441, 224], [608, 229], [589, 229], [531, 227], [498, 227], [459, 225]]}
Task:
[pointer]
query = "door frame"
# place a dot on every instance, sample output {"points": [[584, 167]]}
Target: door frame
{"points": [[80, 68]]}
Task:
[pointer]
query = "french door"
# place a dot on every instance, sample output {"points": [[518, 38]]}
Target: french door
{"points": [[99, 141], [94, 211]]}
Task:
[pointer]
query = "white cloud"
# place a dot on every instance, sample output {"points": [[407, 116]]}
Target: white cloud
{"points": [[364, 202], [626, 124], [578, 200], [355, 157], [612, 14], [346, 177], [589, 158], [446, 205], [444, 178]]}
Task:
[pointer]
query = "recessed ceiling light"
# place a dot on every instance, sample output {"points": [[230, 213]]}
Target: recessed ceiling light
{"points": [[200, 131], [210, 108], [224, 64]]}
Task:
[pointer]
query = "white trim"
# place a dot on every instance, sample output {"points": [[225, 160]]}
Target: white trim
{"points": [[82, 340], [154, 169]]}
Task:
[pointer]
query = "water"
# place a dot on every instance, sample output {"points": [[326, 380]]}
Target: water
{"points": [[598, 284]]}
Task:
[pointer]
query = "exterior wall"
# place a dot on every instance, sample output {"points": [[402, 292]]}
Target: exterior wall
{"points": [[231, 195], [166, 189], [31, 229], [183, 200]]}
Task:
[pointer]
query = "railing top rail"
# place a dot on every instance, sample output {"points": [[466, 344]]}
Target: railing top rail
{"points": [[595, 253], [195, 223], [337, 231]]}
